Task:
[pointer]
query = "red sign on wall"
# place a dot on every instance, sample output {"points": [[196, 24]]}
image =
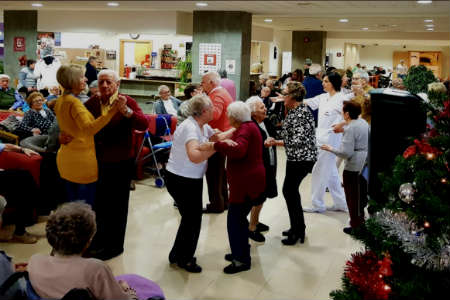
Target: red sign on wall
{"points": [[209, 60], [19, 44]]}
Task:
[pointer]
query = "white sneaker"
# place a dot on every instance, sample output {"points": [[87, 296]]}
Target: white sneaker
{"points": [[313, 210], [336, 208]]}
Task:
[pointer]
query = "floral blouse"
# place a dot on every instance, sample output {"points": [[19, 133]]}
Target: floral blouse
{"points": [[299, 136], [34, 119]]}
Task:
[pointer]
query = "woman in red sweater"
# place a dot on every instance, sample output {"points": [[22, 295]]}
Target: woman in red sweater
{"points": [[246, 178]]}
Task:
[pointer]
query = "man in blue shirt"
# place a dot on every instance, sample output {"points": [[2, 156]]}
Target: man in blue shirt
{"points": [[313, 85]]}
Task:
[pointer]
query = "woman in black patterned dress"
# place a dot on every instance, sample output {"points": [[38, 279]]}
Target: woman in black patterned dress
{"points": [[299, 140]]}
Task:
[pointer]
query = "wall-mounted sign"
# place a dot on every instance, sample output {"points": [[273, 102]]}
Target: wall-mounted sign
{"points": [[338, 54], [19, 44], [209, 59], [306, 39], [230, 66]]}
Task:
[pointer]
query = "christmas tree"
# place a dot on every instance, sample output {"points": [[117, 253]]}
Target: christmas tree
{"points": [[407, 238]]}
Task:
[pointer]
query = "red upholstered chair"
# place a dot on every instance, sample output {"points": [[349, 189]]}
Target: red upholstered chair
{"points": [[20, 161], [138, 142]]}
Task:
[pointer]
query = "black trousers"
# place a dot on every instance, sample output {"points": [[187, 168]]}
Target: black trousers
{"points": [[111, 205], [352, 188], [295, 172], [216, 178], [237, 226], [20, 191], [187, 193]]}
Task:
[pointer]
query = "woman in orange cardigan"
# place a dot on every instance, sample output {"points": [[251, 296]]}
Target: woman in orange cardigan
{"points": [[76, 160]]}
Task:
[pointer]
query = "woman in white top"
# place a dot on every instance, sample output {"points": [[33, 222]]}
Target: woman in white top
{"points": [[185, 170], [325, 173]]}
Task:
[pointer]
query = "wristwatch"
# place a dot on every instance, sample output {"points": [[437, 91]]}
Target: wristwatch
{"points": [[129, 112]]}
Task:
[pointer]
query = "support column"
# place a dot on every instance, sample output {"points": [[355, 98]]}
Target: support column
{"points": [[19, 24], [308, 44], [231, 29]]}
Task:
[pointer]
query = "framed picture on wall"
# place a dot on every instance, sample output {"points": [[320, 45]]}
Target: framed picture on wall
{"points": [[19, 44], [210, 59], [111, 54]]}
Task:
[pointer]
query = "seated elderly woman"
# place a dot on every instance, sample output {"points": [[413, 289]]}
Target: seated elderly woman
{"points": [[70, 230], [38, 119], [244, 161]]}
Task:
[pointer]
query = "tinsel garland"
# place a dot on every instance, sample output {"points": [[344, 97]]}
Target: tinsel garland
{"points": [[413, 241], [367, 272]]}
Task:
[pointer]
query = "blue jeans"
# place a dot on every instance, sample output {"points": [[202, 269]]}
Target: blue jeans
{"points": [[81, 192]]}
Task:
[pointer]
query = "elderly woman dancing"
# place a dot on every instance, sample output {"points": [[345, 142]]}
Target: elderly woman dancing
{"points": [[244, 162], [185, 171], [76, 161], [299, 141]]}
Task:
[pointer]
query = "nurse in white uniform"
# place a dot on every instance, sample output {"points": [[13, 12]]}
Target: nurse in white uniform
{"points": [[325, 173]]}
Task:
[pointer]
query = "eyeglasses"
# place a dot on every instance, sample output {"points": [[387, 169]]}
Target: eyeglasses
{"points": [[38, 100]]}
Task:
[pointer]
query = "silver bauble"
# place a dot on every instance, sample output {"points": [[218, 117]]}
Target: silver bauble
{"points": [[406, 192]]}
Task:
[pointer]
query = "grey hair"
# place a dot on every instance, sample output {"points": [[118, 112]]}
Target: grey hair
{"points": [[315, 69], [2, 76], [197, 104], [163, 87], [239, 111], [264, 76], [252, 101], [109, 72], [213, 76], [70, 228]]}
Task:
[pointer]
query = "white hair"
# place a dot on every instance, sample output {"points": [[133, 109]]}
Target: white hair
{"points": [[252, 101], [109, 72], [3, 76], [264, 76], [315, 69], [163, 87], [213, 76], [239, 111], [197, 104]]}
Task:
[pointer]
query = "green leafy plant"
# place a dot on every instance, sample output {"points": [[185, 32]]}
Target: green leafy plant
{"points": [[418, 79], [185, 68], [1, 67]]}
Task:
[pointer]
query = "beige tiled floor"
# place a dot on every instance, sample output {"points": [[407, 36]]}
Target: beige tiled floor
{"points": [[308, 271]]}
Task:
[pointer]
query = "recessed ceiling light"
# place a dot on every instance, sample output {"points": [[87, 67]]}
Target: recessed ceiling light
{"points": [[364, 28], [430, 29], [113, 4], [201, 4], [428, 21], [424, 1], [429, 25], [343, 20], [37, 4], [268, 20]]}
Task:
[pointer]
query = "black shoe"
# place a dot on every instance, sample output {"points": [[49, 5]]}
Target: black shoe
{"points": [[229, 257], [172, 259], [262, 227], [105, 254], [236, 267], [256, 236], [191, 266], [286, 232], [211, 211], [293, 238], [348, 230]]}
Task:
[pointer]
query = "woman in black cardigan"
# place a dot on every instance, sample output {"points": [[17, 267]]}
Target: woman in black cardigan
{"points": [[259, 116]]}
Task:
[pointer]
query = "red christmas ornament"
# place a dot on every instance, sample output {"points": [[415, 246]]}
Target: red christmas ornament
{"points": [[367, 272]]}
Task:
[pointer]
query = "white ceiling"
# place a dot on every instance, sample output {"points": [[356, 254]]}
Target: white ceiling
{"points": [[378, 16]]}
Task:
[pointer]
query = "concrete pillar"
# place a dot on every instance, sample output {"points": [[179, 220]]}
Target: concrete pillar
{"points": [[231, 29], [308, 44], [19, 23]]}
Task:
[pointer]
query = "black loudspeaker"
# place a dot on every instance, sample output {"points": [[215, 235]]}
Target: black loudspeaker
{"points": [[397, 116]]}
